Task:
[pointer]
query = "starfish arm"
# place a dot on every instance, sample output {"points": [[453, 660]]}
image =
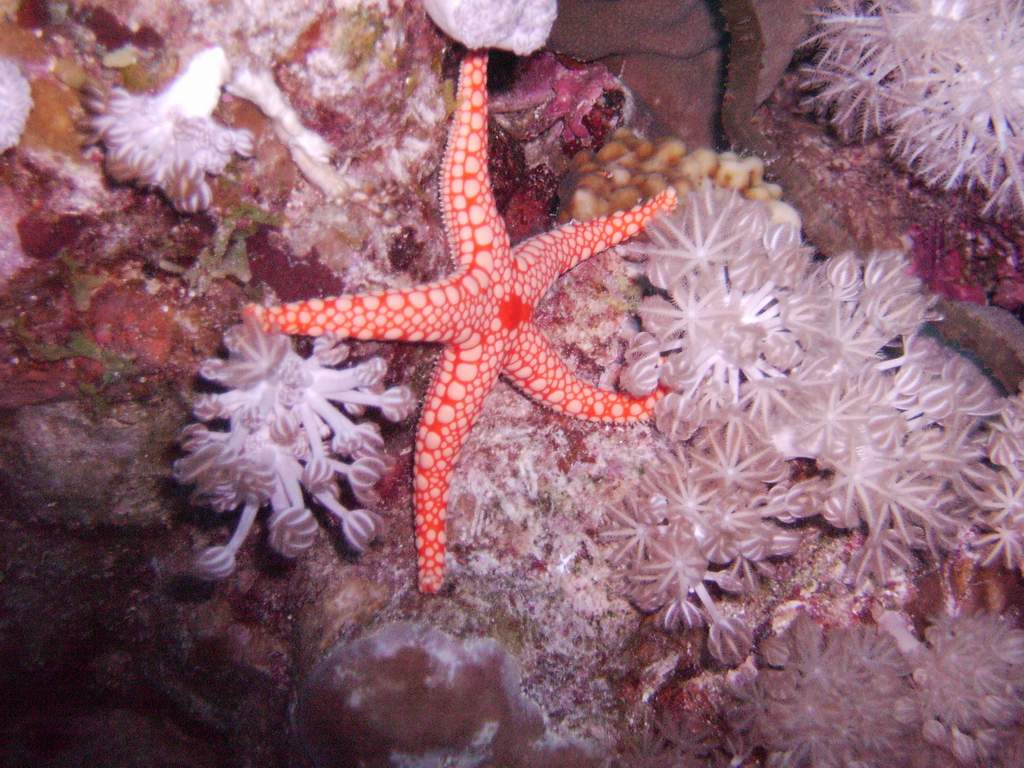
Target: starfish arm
{"points": [[462, 380], [474, 230], [430, 312], [535, 367], [482, 313], [543, 258]]}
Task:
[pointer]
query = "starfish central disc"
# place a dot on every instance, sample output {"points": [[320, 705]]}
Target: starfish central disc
{"points": [[482, 313], [513, 312]]}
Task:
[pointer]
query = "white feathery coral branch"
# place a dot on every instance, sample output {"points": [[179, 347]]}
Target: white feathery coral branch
{"points": [[310, 151]]}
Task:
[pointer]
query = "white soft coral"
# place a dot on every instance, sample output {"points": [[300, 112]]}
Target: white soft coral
{"points": [[702, 519], [1000, 496], [943, 79], [824, 363], [726, 269], [286, 434], [969, 681], [170, 141]]}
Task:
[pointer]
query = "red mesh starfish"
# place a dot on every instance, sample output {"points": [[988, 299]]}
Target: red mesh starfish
{"points": [[482, 315]]}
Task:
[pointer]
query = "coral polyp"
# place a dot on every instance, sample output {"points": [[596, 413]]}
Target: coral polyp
{"points": [[170, 141], [876, 695], [941, 80], [628, 167], [286, 438], [826, 699], [768, 359]]}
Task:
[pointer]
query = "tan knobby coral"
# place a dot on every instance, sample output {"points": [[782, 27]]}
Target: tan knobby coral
{"points": [[630, 168]]}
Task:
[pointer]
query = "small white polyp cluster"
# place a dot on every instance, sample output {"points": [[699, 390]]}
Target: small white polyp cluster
{"points": [[15, 103], [285, 434], [170, 141], [1000, 492]]}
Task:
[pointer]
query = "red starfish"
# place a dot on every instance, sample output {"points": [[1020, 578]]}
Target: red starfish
{"points": [[482, 315]]}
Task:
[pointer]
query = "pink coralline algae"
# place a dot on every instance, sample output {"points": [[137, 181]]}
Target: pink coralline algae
{"points": [[1010, 286], [290, 428], [582, 103], [944, 271], [526, 197], [966, 257]]}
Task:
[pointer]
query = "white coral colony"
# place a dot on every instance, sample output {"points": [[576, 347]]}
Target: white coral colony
{"points": [[942, 79], [520, 26], [170, 141], [15, 103], [767, 357], [285, 434]]}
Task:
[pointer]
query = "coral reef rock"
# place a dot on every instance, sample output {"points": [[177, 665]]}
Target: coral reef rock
{"points": [[408, 695]]}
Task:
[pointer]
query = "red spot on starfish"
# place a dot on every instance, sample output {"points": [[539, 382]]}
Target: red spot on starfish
{"points": [[514, 311], [482, 314]]}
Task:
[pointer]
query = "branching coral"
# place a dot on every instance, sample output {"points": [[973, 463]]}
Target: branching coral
{"points": [[767, 358], [941, 78], [170, 140], [309, 150], [16, 99], [557, 97], [285, 434]]}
